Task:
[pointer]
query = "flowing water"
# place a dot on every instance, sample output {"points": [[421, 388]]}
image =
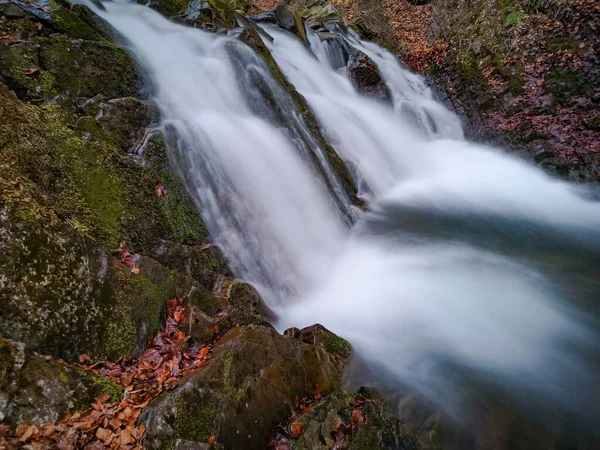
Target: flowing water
{"points": [[469, 261]]}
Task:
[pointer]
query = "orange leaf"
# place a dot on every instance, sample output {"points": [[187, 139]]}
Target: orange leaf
{"points": [[317, 392], [296, 430], [30, 431], [101, 399], [103, 434], [211, 440], [203, 352], [357, 417]]}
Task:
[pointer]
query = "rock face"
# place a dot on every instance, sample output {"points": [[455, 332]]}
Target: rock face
{"points": [[366, 78], [71, 191]]}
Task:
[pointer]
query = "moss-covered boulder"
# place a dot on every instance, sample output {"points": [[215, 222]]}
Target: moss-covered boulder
{"points": [[88, 68], [38, 389], [247, 388], [352, 421]]}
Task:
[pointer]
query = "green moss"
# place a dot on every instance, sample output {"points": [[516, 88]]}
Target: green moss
{"points": [[564, 84], [154, 298], [87, 68], [514, 18], [338, 346], [66, 21], [195, 421], [106, 385], [563, 43], [120, 337], [100, 190], [180, 214]]}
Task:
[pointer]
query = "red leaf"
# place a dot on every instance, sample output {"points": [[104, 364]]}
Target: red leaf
{"points": [[31, 70]]}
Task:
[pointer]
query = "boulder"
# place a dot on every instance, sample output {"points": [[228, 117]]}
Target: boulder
{"points": [[365, 77], [38, 389], [249, 386], [352, 421]]}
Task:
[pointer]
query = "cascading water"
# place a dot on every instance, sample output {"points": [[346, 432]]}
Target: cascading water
{"points": [[469, 258]]}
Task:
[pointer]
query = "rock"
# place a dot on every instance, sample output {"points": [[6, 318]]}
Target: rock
{"points": [[593, 123], [38, 389], [365, 77], [249, 306], [127, 120], [13, 11], [238, 398], [251, 38], [362, 416], [88, 68], [204, 264], [318, 10]]}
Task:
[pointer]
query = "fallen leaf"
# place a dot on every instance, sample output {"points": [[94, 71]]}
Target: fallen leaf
{"points": [[31, 70], [296, 430], [211, 440], [103, 434], [30, 431], [357, 417]]}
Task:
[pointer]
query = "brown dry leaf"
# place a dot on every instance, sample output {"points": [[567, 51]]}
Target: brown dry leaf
{"points": [[22, 428], [48, 430], [103, 434], [296, 430], [101, 399], [203, 352], [30, 431], [135, 270], [317, 392]]}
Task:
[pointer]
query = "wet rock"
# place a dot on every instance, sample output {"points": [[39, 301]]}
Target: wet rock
{"points": [[202, 263], [38, 389], [251, 38], [363, 73], [318, 10], [355, 421], [126, 119], [248, 387]]}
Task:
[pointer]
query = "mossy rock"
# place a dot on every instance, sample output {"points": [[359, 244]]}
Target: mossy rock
{"points": [[38, 389], [88, 68], [564, 84], [379, 431], [240, 396]]}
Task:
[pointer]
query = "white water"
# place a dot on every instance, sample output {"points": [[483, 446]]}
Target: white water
{"points": [[404, 299]]}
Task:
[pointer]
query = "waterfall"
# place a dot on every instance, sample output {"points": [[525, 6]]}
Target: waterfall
{"points": [[469, 257]]}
